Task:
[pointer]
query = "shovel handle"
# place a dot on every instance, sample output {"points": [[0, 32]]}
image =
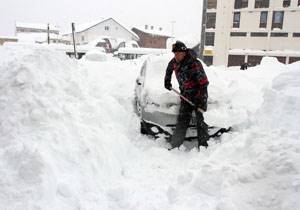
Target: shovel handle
{"points": [[187, 100]]}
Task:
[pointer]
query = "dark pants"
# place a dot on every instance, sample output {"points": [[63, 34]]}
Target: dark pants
{"points": [[183, 121]]}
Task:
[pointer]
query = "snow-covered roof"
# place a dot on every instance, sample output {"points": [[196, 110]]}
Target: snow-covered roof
{"points": [[37, 37], [85, 26], [155, 31], [8, 37], [43, 26]]}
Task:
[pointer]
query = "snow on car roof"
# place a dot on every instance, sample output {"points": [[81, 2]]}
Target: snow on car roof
{"points": [[154, 89]]}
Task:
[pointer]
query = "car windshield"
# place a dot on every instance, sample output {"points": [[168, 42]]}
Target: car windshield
{"points": [[154, 90]]}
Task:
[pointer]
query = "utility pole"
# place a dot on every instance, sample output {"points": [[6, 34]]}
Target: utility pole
{"points": [[203, 27], [48, 33], [74, 44]]}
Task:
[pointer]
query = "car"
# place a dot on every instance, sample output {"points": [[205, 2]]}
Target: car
{"points": [[158, 107], [128, 44], [101, 43]]}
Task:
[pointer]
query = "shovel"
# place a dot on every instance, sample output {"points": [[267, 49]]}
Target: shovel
{"points": [[187, 100]]}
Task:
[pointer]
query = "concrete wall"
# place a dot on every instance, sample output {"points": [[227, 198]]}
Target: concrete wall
{"points": [[249, 22]]}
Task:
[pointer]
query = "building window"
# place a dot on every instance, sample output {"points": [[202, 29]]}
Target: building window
{"points": [[106, 28], [238, 4], [82, 38], [236, 19], [263, 19], [286, 3], [261, 4], [254, 60], [294, 59], [212, 4], [277, 21], [258, 34], [238, 33], [211, 20], [209, 38], [274, 34], [298, 2], [208, 60], [235, 60], [296, 34]]}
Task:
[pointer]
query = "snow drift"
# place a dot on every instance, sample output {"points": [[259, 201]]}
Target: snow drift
{"points": [[69, 139]]}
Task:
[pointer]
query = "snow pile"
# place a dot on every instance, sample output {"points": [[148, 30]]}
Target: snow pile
{"points": [[69, 138], [96, 55], [56, 132]]}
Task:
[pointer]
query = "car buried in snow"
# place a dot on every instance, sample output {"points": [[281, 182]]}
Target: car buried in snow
{"points": [[157, 107]]}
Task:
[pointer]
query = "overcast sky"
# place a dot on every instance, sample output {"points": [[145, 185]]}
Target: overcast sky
{"points": [[160, 13]]}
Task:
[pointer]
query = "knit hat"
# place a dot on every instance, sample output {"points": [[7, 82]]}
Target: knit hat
{"points": [[179, 47]]}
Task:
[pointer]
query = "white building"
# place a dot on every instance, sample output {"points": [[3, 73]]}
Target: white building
{"points": [[109, 27], [243, 31], [38, 33]]}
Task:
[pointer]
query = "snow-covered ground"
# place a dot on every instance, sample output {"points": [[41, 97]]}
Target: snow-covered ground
{"points": [[69, 139]]}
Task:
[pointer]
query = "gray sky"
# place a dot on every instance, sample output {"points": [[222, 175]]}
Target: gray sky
{"points": [[160, 13]]}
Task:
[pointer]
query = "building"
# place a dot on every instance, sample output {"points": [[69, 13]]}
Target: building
{"points": [[22, 27], [4, 39], [151, 37], [243, 31], [88, 32], [38, 33]]}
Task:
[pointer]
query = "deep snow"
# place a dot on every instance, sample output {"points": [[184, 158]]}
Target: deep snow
{"points": [[69, 138]]}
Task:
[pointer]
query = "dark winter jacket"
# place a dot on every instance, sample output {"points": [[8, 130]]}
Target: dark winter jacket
{"points": [[191, 77]]}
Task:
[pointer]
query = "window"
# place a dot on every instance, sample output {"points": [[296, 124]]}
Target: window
{"points": [[263, 19], [296, 34], [279, 34], [208, 60], [82, 38], [209, 38], [261, 4], [106, 28], [277, 21], [286, 3], [258, 34], [238, 33], [235, 60], [211, 4], [238, 4], [298, 2], [236, 19], [211, 20]]}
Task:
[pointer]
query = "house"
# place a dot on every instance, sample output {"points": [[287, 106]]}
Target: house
{"points": [[4, 39], [22, 27], [88, 32], [38, 33], [151, 37], [243, 31]]}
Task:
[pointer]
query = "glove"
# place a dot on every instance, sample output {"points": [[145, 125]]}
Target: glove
{"points": [[168, 86], [201, 103]]}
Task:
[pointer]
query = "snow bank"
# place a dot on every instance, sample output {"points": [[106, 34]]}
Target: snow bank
{"points": [[57, 143], [69, 138]]}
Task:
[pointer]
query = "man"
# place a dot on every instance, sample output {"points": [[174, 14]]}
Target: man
{"points": [[193, 85]]}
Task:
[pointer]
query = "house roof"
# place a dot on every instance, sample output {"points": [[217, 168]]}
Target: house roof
{"points": [[85, 26], [43, 26], [154, 31]]}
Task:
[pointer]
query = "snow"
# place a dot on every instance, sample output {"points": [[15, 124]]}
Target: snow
{"points": [[155, 30], [44, 26], [69, 138]]}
